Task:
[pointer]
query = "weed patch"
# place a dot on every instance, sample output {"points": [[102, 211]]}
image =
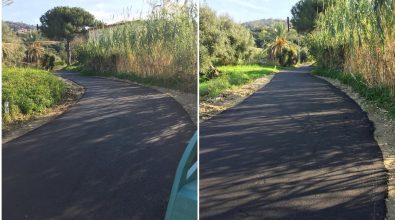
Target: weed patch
{"points": [[233, 77], [29, 92]]}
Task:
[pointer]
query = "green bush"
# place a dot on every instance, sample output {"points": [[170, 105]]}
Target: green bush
{"points": [[217, 86], [303, 55], [288, 56], [48, 61], [29, 92], [222, 41], [238, 78]]}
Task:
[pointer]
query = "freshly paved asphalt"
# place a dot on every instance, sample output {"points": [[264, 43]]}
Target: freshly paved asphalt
{"points": [[111, 156], [296, 149]]}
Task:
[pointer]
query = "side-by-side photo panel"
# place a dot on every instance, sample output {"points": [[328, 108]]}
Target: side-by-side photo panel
{"points": [[297, 106], [198, 109], [99, 110]]}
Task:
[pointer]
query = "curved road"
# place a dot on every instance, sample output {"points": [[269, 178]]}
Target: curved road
{"points": [[296, 149], [111, 156]]}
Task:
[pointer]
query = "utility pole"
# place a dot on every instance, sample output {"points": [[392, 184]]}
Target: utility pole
{"points": [[288, 23]]}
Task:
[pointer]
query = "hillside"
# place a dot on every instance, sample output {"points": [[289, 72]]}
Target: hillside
{"points": [[20, 26], [258, 24]]}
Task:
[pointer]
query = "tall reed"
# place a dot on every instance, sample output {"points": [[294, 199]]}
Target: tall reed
{"points": [[160, 47], [359, 38]]}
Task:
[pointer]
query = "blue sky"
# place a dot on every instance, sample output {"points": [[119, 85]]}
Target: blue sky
{"points": [[248, 10], [30, 11], [109, 11]]}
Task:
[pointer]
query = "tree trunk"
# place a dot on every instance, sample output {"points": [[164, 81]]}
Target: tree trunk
{"points": [[68, 49]]}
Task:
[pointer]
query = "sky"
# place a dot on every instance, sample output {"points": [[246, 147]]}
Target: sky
{"points": [[110, 11], [249, 10]]}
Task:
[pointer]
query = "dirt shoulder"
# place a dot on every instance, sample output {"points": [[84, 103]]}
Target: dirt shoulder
{"points": [[73, 93], [210, 107], [384, 134]]}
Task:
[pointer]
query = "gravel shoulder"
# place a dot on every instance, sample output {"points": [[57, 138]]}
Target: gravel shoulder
{"points": [[209, 107]]}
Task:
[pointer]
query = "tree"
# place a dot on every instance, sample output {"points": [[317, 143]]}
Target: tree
{"points": [[8, 36], [64, 23], [222, 41], [305, 12], [269, 35]]}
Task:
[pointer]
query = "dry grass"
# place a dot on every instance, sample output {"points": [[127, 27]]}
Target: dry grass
{"points": [[377, 65], [161, 47]]}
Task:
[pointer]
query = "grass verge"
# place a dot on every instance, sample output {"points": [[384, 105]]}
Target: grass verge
{"points": [[233, 77], [74, 67], [381, 96], [29, 92]]}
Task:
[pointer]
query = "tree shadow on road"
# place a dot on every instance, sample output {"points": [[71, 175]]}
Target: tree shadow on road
{"points": [[297, 149], [112, 156]]}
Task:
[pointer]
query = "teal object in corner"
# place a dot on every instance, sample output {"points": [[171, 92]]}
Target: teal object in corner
{"points": [[183, 198]]}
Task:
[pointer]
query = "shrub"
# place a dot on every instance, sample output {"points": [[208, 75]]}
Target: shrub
{"points": [[29, 92], [217, 86], [12, 48], [48, 61], [303, 55]]}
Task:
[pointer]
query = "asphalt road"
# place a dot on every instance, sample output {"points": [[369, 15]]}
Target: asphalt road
{"points": [[297, 149], [111, 156]]}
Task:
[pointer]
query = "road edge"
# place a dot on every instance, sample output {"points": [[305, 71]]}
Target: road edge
{"points": [[384, 129], [179, 97]]}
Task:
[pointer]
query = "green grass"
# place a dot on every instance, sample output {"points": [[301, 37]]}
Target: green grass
{"points": [[73, 67], [379, 95], [29, 92], [233, 77]]}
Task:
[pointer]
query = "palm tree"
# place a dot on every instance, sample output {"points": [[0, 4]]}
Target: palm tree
{"points": [[35, 52], [277, 46], [284, 51], [278, 30], [32, 36]]}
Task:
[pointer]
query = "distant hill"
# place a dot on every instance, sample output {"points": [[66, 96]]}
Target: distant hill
{"points": [[256, 27], [258, 24], [20, 27]]}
